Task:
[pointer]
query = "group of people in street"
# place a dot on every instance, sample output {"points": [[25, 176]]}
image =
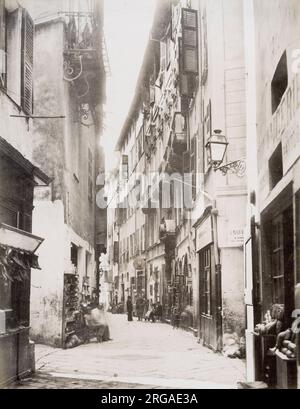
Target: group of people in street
{"points": [[144, 309]]}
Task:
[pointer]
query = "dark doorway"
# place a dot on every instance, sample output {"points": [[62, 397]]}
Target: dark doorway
{"points": [[209, 302], [279, 266]]}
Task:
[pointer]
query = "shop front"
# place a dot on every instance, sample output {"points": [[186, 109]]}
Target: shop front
{"points": [[275, 334], [17, 256], [210, 326]]}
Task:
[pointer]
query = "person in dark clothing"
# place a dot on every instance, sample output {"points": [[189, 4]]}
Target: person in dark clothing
{"points": [[129, 309], [158, 311], [176, 317], [140, 305]]}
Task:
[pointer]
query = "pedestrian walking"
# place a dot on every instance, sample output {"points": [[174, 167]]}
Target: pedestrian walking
{"points": [[158, 311], [140, 308], [176, 317], [129, 309]]}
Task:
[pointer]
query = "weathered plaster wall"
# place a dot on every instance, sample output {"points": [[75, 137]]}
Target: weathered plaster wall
{"points": [[16, 131], [47, 284], [280, 33], [63, 213], [225, 87], [54, 259], [49, 100]]}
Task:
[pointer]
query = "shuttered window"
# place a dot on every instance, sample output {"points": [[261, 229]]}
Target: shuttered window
{"points": [[204, 49], [168, 48], [116, 252], [190, 41], [27, 63], [2, 25], [186, 80], [2, 45], [193, 165], [163, 56], [207, 125], [125, 167], [186, 162]]}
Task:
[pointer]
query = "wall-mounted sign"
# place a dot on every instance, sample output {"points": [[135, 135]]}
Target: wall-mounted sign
{"points": [[290, 144], [236, 237], [204, 234], [139, 263]]}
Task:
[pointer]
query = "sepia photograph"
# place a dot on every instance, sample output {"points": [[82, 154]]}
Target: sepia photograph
{"points": [[149, 197]]}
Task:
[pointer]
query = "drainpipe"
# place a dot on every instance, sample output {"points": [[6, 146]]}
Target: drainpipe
{"points": [[218, 272]]}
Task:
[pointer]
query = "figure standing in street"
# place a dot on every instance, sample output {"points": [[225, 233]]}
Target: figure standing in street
{"points": [[129, 309], [140, 308], [175, 317], [159, 311]]}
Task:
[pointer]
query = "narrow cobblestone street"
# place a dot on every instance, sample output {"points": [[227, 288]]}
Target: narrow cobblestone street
{"points": [[145, 354]]}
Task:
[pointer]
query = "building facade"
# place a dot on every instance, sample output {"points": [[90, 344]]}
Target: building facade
{"points": [[272, 250], [192, 82], [19, 176], [69, 80]]}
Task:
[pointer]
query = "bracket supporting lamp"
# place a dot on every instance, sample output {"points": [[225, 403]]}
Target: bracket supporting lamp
{"points": [[238, 167], [216, 148]]}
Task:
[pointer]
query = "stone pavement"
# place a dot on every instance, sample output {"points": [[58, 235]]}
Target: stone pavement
{"points": [[45, 381], [141, 353]]}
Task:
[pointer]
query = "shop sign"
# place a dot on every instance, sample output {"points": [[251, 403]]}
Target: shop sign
{"points": [[204, 234], [284, 127], [290, 145], [139, 263], [236, 237]]}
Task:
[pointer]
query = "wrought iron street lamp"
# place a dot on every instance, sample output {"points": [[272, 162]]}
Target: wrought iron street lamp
{"points": [[216, 147]]}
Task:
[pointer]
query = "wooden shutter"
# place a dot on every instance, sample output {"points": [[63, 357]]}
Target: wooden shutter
{"points": [[207, 122], [2, 41], [152, 94], [190, 41], [185, 80], [200, 150], [125, 167], [116, 252], [207, 125], [168, 50], [193, 165], [204, 49], [186, 162], [163, 50], [27, 63]]}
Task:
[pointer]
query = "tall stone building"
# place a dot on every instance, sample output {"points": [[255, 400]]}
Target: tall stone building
{"points": [[272, 246], [19, 176], [191, 215], [69, 90]]}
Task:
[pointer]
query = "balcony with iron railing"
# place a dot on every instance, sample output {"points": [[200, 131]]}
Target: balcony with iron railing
{"points": [[84, 61]]}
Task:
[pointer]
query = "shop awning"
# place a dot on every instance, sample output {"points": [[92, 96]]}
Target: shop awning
{"points": [[17, 249], [39, 177], [19, 239]]}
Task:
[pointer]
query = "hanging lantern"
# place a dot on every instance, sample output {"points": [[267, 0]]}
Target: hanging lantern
{"points": [[216, 147]]}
